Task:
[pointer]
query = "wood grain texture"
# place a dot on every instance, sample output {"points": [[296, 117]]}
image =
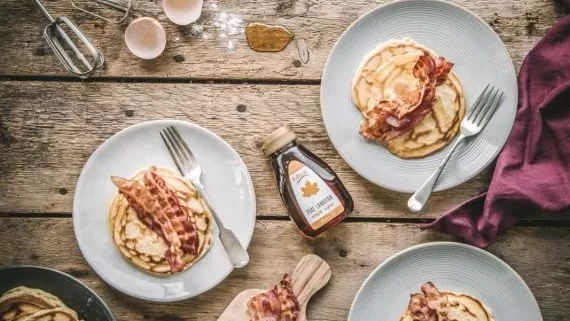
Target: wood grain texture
{"points": [[310, 275], [352, 250], [235, 311], [49, 129], [215, 46]]}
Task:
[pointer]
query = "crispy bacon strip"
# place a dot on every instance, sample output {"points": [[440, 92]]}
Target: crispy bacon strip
{"points": [[391, 119], [419, 310], [158, 208], [177, 214], [442, 69], [276, 304], [429, 306], [435, 300]]}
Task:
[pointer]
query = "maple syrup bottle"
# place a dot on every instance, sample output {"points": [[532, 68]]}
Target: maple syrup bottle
{"points": [[313, 195]]}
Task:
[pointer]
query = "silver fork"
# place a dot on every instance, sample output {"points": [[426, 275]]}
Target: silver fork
{"points": [[484, 107], [189, 167]]}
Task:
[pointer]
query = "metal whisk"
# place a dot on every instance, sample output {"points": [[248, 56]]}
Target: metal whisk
{"points": [[58, 39], [120, 5]]}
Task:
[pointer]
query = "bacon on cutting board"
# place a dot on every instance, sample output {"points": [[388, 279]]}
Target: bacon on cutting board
{"points": [[276, 304]]}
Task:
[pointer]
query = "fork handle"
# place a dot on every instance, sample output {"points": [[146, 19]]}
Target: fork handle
{"points": [[420, 197], [236, 252]]}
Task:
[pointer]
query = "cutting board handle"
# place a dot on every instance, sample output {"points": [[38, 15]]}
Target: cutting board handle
{"points": [[311, 274]]}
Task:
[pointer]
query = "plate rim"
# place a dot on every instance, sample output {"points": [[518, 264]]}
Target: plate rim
{"points": [[113, 138], [436, 188], [106, 308], [417, 247]]}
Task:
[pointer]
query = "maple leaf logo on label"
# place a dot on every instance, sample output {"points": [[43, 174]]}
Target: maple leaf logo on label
{"points": [[310, 189]]}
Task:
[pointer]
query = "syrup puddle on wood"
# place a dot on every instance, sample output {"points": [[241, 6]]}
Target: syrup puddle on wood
{"points": [[267, 38]]}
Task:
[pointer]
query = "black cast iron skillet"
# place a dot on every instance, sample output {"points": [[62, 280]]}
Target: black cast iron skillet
{"points": [[68, 289]]}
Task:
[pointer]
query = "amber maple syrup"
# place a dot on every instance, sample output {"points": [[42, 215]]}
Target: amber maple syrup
{"points": [[266, 38], [312, 193]]}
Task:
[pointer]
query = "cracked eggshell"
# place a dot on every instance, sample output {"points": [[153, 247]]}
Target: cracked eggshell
{"points": [[145, 38], [182, 12]]}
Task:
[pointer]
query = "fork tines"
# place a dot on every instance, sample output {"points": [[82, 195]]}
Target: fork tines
{"points": [[485, 105], [178, 148]]}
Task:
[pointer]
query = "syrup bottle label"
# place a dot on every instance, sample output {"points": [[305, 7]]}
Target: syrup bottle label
{"points": [[315, 198]]}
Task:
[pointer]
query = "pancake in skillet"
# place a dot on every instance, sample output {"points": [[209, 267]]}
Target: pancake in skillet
{"points": [[388, 80], [55, 314], [433, 305], [27, 304], [136, 224]]}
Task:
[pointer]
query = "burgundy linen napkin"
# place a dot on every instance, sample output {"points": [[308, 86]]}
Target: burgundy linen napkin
{"points": [[532, 172]]}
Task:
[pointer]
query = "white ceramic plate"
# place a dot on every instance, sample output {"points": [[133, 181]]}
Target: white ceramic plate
{"points": [[451, 31], [226, 180], [453, 267]]}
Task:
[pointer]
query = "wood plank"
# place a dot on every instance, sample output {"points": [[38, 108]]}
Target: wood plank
{"points": [[216, 48], [352, 250], [49, 129]]}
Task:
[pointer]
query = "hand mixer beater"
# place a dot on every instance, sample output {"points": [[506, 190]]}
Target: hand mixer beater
{"points": [[80, 59]]}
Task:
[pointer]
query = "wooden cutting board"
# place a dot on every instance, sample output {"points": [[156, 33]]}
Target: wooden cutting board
{"points": [[311, 274]]}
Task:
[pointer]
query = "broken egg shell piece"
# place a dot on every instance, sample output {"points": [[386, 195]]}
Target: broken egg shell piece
{"points": [[145, 37], [182, 12]]}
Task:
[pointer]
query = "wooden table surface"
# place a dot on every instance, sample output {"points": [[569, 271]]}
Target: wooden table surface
{"points": [[50, 123]]}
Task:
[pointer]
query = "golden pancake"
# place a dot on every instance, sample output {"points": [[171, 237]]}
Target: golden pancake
{"points": [[463, 307], [19, 311], [387, 74], [143, 247], [22, 303], [55, 314]]}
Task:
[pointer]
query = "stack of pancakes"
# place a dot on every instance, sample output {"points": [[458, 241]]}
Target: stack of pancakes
{"points": [[144, 247], [387, 74], [26, 304]]}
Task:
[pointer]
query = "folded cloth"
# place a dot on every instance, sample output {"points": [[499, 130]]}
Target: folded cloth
{"points": [[532, 173]]}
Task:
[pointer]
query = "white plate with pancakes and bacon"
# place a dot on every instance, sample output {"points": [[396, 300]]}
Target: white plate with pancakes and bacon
{"points": [[444, 281], [143, 227], [398, 83]]}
